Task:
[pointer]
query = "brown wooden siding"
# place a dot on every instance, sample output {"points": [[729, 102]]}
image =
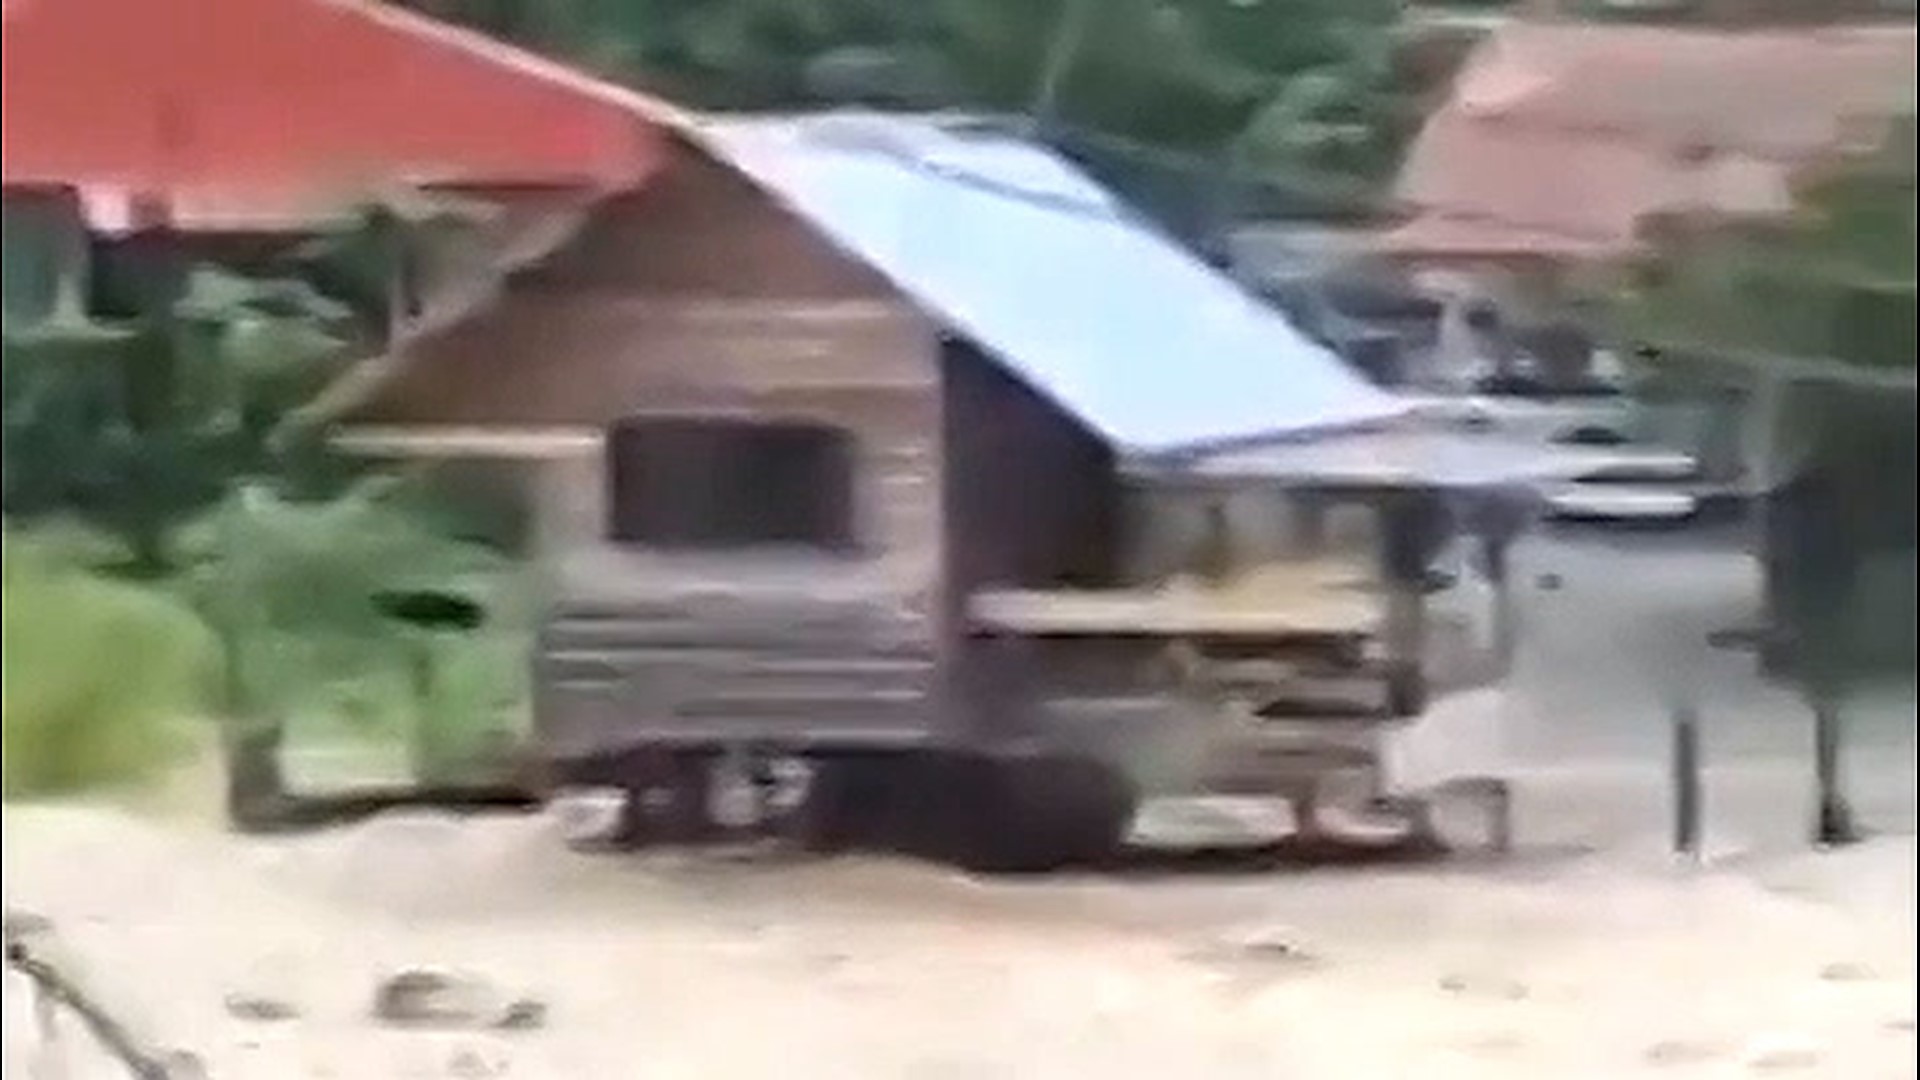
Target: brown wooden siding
{"points": [[700, 228], [699, 294]]}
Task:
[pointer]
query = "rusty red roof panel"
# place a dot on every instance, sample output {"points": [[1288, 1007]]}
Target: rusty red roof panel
{"points": [[296, 100], [1441, 236]]}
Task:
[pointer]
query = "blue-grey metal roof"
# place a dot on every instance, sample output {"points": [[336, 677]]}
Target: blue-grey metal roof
{"points": [[1414, 456], [1006, 243]]}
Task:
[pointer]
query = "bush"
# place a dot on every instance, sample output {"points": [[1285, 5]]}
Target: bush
{"points": [[476, 708], [101, 677], [296, 588]]}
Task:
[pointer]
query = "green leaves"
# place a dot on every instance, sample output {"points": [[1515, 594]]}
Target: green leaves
{"points": [[1307, 88], [167, 436], [137, 424], [296, 588], [216, 295], [1836, 282], [100, 676], [1811, 297]]}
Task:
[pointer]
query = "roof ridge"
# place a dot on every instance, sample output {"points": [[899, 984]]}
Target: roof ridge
{"points": [[517, 58]]}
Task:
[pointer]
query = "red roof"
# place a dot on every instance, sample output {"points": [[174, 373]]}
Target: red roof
{"points": [[283, 101], [1562, 139]]}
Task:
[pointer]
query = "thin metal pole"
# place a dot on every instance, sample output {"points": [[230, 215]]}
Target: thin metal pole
{"points": [[1762, 480], [1823, 676], [1834, 826], [1688, 801], [1059, 60], [1506, 633]]}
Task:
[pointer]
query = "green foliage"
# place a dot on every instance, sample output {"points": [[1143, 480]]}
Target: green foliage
{"points": [[136, 426], [101, 677], [1830, 289], [1833, 285], [1304, 93], [294, 588], [183, 379], [1836, 281], [167, 439]]}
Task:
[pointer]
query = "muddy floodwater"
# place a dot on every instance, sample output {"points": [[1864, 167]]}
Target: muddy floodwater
{"points": [[715, 966], [1591, 952]]}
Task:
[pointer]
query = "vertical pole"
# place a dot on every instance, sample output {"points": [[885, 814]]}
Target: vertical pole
{"points": [[1506, 635], [1687, 792], [1307, 510], [422, 748], [1834, 825], [1820, 661], [74, 262], [1224, 208], [1762, 481], [1410, 526], [1059, 60], [1406, 634], [1495, 520]]}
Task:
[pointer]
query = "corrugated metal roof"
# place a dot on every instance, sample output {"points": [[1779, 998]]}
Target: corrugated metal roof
{"points": [[1414, 458], [280, 104], [1013, 247], [1561, 138]]}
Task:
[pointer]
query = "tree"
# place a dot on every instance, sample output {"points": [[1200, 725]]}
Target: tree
{"points": [[1823, 303], [1834, 280], [1305, 93], [170, 409], [135, 425], [1828, 293], [137, 400]]}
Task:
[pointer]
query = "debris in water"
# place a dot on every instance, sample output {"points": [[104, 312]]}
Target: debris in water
{"points": [[1847, 971], [1265, 949], [245, 1005], [1499, 987], [589, 817], [19, 924], [1681, 1052], [1497, 1044], [420, 998], [1782, 1055], [469, 1064], [524, 1014]]}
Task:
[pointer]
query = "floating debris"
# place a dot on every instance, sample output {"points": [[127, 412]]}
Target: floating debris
{"points": [[1847, 971], [245, 1005], [1783, 1055], [421, 998], [1681, 1052], [1492, 986], [1267, 950], [524, 1014]]}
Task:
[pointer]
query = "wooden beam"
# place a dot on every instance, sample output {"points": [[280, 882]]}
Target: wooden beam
{"points": [[444, 441]]}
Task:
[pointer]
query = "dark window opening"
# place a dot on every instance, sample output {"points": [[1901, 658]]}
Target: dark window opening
{"points": [[704, 482]]}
